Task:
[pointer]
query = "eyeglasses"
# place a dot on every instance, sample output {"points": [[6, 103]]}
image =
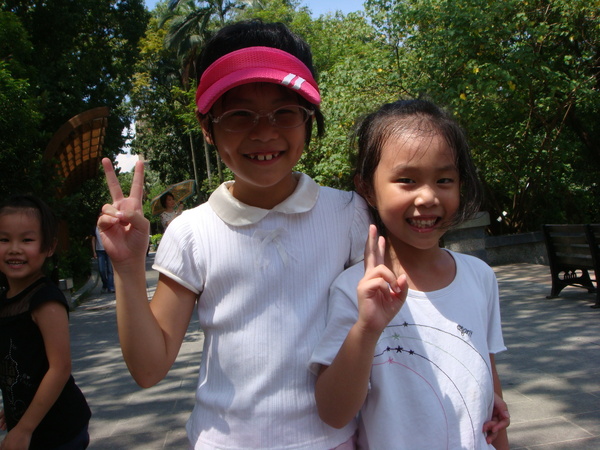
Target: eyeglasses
{"points": [[238, 120]]}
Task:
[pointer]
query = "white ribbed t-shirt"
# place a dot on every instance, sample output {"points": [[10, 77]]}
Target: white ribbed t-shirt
{"points": [[263, 277]]}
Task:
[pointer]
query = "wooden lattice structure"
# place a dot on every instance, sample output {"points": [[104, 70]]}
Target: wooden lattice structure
{"points": [[76, 149]]}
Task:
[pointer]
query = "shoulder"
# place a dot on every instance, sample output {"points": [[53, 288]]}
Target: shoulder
{"points": [[192, 213], [347, 196], [186, 225], [48, 292], [189, 218], [470, 260], [347, 281], [335, 199], [473, 267]]}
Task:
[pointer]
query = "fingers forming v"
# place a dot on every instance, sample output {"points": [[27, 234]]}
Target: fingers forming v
{"points": [[111, 180], [137, 186], [374, 252]]}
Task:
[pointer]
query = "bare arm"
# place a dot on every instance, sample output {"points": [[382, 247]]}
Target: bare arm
{"points": [[52, 320], [496, 427], [150, 333], [341, 388]]}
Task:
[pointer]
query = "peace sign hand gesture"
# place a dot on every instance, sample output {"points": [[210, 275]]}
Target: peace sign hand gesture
{"points": [[380, 293], [123, 227]]}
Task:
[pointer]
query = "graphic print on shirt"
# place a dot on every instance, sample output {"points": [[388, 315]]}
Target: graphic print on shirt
{"points": [[10, 378], [445, 367]]}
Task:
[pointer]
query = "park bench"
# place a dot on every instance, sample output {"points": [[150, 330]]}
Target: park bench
{"points": [[573, 253]]}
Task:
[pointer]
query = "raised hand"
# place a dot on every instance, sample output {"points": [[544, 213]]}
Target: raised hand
{"points": [[380, 293], [123, 227]]}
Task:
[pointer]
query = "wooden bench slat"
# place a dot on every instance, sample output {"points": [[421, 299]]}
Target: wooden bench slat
{"points": [[566, 228], [564, 247], [571, 240], [574, 261]]}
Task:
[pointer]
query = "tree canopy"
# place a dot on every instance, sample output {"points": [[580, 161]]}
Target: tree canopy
{"points": [[57, 60], [523, 78]]}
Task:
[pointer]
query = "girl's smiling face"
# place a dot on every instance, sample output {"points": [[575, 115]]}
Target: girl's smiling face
{"points": [[416, 188], [21, 256], [263, 157]]}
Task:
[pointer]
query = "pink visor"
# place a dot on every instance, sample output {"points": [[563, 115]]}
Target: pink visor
{"points": [[251, 65]]}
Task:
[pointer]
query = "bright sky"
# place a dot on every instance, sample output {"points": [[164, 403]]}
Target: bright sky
{"points": [[126, 162]]}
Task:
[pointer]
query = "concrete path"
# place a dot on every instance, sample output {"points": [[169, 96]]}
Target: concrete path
{"points": [[125, 416], [551, 373]]}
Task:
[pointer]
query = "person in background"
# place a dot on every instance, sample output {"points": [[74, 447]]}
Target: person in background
{"points": [[105, 267], [172, 210], [412, 332], [43, 407]]}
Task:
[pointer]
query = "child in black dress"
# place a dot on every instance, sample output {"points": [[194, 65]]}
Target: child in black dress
{"points": [[43, 407]]}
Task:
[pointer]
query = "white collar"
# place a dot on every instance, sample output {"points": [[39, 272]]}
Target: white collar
{"points": [[233, 212]]}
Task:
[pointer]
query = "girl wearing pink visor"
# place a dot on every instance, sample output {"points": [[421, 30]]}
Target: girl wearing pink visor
{"points": [[257, 258]]}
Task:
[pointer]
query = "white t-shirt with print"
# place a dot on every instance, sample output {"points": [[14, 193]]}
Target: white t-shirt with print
{"points": [[431, 383]]}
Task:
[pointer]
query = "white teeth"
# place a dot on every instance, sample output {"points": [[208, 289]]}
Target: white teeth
{"points": [[422, 223], [264, 157]]}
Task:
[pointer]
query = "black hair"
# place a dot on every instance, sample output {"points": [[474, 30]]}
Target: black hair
{"points": [[254, 33], [48, 221], [376, 128], [163, 198]]}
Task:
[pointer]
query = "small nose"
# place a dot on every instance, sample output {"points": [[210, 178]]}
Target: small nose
{"points": [[426, 196], [264, 129]]}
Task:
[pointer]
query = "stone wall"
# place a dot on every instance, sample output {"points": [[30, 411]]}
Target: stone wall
{"points": [[471, 238], [516, 248]]}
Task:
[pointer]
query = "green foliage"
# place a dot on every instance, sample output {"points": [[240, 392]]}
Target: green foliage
{"points": [[59, 59], [270, 11], [155, 240], [353, 81], [83, 65], [164, 111], [522, 77], [19, 115], [19, 122], [75, 263], [15, 46]]}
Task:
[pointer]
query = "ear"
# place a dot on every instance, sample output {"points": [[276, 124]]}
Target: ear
{"points": [[205, 125], [52, 249], [363, 189]]}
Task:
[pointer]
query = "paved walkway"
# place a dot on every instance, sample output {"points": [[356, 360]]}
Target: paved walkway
{"points": [[125, 416], [551, 373]]}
